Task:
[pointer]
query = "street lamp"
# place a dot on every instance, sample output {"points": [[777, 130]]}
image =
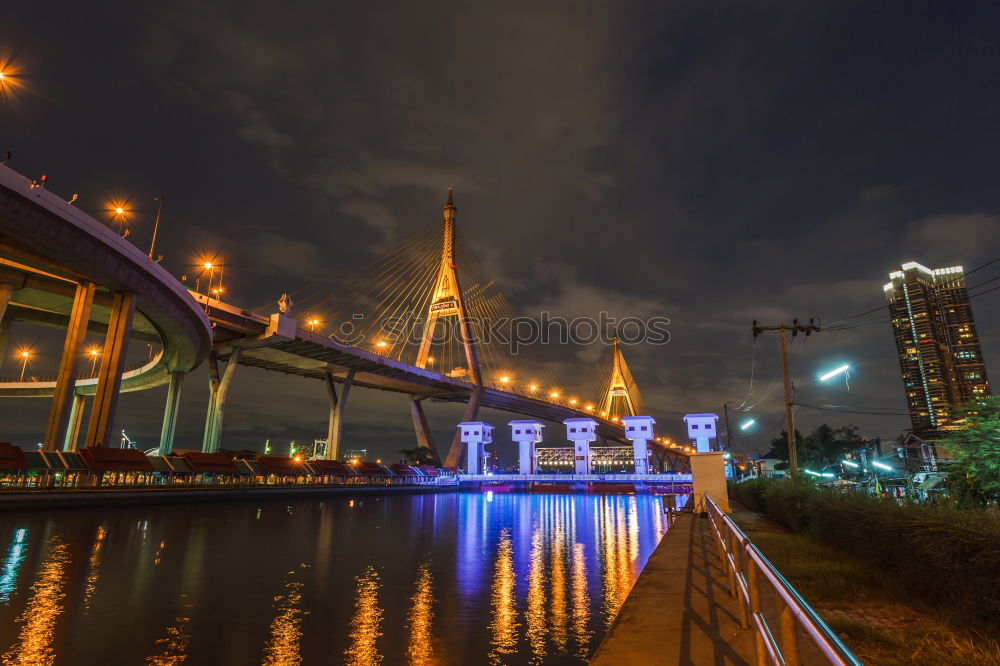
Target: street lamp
{"points": [[94, 353], [25, 355], [156, 224], [749, 423], [845, 368]]}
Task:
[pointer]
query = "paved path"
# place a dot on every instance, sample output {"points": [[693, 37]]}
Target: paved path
{"points": [[679, 611]]}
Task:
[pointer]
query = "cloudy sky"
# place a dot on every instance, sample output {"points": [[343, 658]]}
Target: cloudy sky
{"points": [[712, 162]]}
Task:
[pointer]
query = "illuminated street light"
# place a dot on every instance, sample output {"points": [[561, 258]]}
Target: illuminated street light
{"points": [[25, 355], [504, 379], [533, 388], [749, 423], [119, 211], [882, 466], [572, 401], [94, 353], [554, 394], [589, 408], [836, 371], [850, 463]]}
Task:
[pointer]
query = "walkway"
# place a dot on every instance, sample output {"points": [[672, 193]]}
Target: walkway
{"points": [[679, 611]]}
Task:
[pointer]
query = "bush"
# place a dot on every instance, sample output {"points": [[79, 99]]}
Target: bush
{"points": [[941, 555]]}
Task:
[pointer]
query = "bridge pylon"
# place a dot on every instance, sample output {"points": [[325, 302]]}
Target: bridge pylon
{"points": [[448, 302], [619, 395]]}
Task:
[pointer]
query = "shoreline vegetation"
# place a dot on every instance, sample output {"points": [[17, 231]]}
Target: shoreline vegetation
{"points": [[902, 584]]}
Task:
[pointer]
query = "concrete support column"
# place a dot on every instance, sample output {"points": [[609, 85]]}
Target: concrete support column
{"points": [[335, 425], [55, 431], [170, 413], [6, 291], [474, 458], [639, 456], [109, 379], [425, 437], [219, 387], [75, 419], [526, 459], [471, 412], [4, 336]]}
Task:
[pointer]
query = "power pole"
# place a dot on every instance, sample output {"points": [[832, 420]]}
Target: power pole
{"points": [[729, 440], [783, 329]]}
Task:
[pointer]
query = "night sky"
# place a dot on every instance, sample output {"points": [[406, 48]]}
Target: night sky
{"points": [[712, 162]]}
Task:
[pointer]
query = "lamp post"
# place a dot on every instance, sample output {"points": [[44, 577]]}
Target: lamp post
{"points": [[25, 355], [156, 224]]}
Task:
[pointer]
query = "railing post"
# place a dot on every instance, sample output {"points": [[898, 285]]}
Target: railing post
{"points": [[789, 635], [753, 586]]}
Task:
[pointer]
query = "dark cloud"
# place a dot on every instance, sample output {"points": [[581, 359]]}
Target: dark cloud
{"points": [[714, 163]]}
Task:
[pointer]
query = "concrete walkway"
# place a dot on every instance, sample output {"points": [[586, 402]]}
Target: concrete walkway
{"points": [[679, 611]]}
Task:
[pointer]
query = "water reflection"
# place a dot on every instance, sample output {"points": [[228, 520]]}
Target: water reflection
{"points": [[11, 565], [503, 628], [93, 566], [581, 602], [173, 647], [535, 615], [420, 651], [38, 621], [530, 579], [366, 625], [283, 649]]}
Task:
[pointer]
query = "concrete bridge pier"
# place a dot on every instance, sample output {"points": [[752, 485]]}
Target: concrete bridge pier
{"points": [[62, 396], [6, 291], [109, 379], [75, 419], [335, 426], [218, 385], [170, 413], [471, 412], [421, 427]]}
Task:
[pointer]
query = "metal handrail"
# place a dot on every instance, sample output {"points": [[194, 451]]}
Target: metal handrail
{"points": [[744, 565]]}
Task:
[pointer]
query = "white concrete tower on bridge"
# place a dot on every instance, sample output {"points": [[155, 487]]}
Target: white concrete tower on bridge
{"points": [[475, 434], [640, 430], [581, 432], [701, 428], [526, 434]]}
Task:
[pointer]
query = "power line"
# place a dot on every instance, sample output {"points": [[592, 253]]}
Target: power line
{"points": [[848, 410]]}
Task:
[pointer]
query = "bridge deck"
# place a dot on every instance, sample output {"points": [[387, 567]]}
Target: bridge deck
{"points": [[679, 611]]}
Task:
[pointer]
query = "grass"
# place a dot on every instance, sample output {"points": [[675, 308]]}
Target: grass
{"points": [[864, 605]]}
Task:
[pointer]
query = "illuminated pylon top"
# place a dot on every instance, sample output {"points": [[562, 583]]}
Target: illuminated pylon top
{"points": [[619, 395], [448, 300]]}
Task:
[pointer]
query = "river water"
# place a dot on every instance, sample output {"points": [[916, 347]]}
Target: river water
{"points": [[454, 578]]}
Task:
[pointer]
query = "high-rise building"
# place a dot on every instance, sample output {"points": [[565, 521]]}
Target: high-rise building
{"points": [[936, 340]]}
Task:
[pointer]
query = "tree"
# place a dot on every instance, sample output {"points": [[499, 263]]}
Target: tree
{"points": [[419, 456], [975, 477], [822, 447], [779, 447]]}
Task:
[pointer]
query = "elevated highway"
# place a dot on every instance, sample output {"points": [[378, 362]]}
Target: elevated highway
{"points": [[61, 267]]}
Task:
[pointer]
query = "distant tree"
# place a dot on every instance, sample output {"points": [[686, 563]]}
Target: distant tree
{"points": [[779, 447], [975, 477], [822, 447], [419, 456]]}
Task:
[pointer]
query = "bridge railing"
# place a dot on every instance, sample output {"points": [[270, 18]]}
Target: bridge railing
{"points": [[87, 374], [748, 572]]}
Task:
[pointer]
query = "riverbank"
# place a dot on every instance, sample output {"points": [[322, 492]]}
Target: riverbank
{"points": [[858, 599], [87, 498]]}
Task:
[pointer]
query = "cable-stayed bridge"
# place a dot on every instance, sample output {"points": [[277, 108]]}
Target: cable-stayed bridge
{"points": [[422, 318]]}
